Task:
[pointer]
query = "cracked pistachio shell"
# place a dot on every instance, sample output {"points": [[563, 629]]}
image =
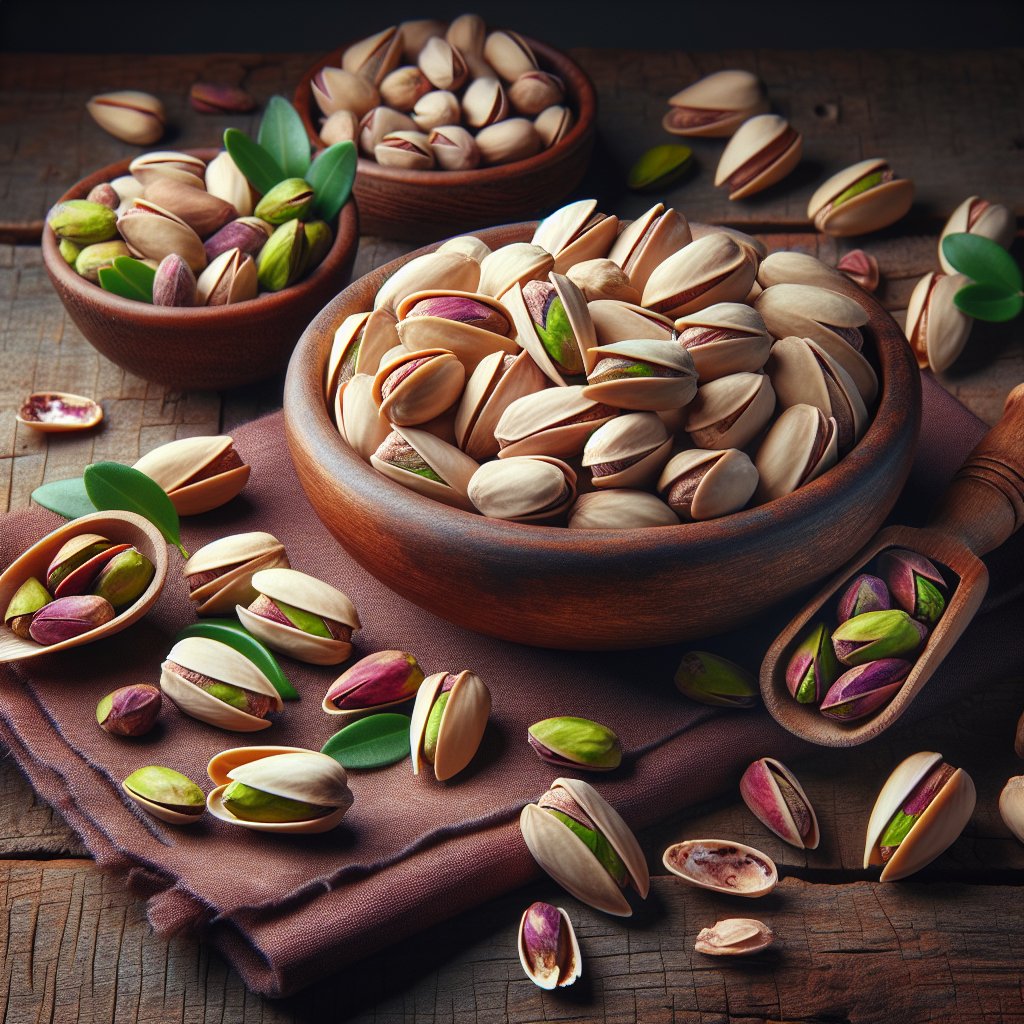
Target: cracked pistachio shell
{"points": [[374, 56], [722, 866], [451, 271], [763, 151], [936, 328], [553, 124], [202, 212], [556, 421], [619, 509], [436, 108], [166, 794], [80, 579], [229, 277], [1011, 806], [468, 34], [648, 241], [627, 451], [418, 386], [728, 337], [360, 419], [225, 181], [718, 682], [862, 690], [153, 233], [523, 489], [513, 264], [799, 446], [378, 122], [548, 949], [513, 139], [403, 87], [408, 150], [701, 483], [934, 830], [442, 64], [575, 233], [736, 936], [454, 148], [859, 199], [710, 269], [198, 473], [341, 126], [360, 342], [785, 267], [509, 54], [380, 680], [72, 554], [615, 320], [642, 374], [575, 744], [468, 245], [310, 595], [731, 411], [337, 89], [602, 279], [716, 105], [129, 115], [304, 776], [424, 463], [569, 861], [865, 593], [977, 216], [812, 667], [463, 722], [534, 91], [498, 380], [224, 664], [484, 102], [219, 575], [148, 167], [777, 800]]}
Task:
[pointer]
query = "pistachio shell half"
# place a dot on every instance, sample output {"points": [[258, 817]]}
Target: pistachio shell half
{"points": [[799, 446], [729, 412], [447, 270], [619, 509], [424, 463], [722, 866], [648, 241], [977, 216], [417, 386], [701, 483], [738, 936], [716, 105], [936, 328], [627, 451], [575, 233]]}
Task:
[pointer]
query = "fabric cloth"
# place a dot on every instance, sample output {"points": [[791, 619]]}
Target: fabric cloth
{"points": [[411, 851]]}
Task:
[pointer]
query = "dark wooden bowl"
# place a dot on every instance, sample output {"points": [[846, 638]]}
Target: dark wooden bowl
{"points": [[423, 205], [579, 589], [203, 347]]}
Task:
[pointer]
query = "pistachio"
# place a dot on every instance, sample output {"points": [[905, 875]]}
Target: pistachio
{"points": [[403, 87], [124, 578], [415, 33], [448, 270], [380, 680], [418, 386], [129, 115], [555, 422], [716, 105], [375, 56], [523, 488], [915, 583], [130, 710], [93, 258], [799, 446], [648, 242], [710, 269], [69, 617], [737, 936], [359, 343], [443, 65], [866, 593], [1011, 806], [128, 187], [731, 411], [454, 148], [27, 600], [148, 167], [644, 374], [408, 150], [862, 690], [219, 575], [553, 125], [484, 102], [166, 794], [660, 167], [202, 212], [105, 194], [710, 679], [619, 508], [576, 232], [336, 89], [513, 264], [812, 667], [776, 799], [575, 743], [861, 268], [627, 451], [857, 200], [198, 473], [722, 866], [728, 337], [287, 200], [230, 277], [448, 722], [69, 251], [247, 234], [602, 279], [436, 108], [319, 239], [936, 327], [548, 949], [82, 222], [220, 98], [153, 232], [468, 34], [872, 635], [978, 216], [341, 126], [534, 91], [424, 463], [73, 554], [513, 139], [174, 283], [509, 54], [700, 483], [763, 151], [281, 259], [377, 123]]}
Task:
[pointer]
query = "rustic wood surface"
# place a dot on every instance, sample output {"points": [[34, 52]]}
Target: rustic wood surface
{"points": [[74, 945]]}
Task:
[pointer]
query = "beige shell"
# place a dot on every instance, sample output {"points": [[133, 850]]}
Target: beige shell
{"points": [[415, 34], [408, 150], [240, 555], [293, 773], [401, 88], [448, 270], [619, 509], [175, 464], [736, 936], [468, 34], [762, 795], [763, 151], [654, 393], [167, 814], [375, 56], [378, 122], [614, 320], [218, 661], [509, 54], [575, 233], [868, 211], [463, 723], [534, 91], [490, 390], [443, 65], [732, 94], [569, 861], [602, 279], [422, 393], [453, 466], [359, 342], [537, 424], [311, 595], [935, 830], [722, 866], [725, 481], [436, 108], [557, 975], [55, 412], [1011, 806], [230, 277], [553, 124], [513, 264], [149, 167], [785, 267], [936, 328], [468, 245], [637, 436], [153, 233], [730, 412], [728, 337], [977, 216], [361, 423], [523, 489], [513, 139], [801, 445], [202, 212], [337, 89], [484, 102], [711, 269], [648, 241], [454, 148]]}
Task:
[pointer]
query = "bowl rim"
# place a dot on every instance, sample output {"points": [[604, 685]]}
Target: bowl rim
{"points": [[579, 88], [269, 304], [315, 431]]}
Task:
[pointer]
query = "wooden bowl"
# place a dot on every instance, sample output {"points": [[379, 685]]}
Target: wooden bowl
{"points": [[579, 589], [199, 347], [424, 205]]}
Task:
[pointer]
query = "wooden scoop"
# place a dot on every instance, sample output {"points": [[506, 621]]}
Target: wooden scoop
{"points": [[982, 508]]}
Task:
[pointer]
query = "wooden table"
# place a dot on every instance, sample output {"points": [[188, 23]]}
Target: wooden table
{"points": [[948, 945]]}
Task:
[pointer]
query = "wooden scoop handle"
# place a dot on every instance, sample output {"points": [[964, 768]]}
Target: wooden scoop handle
{"points": [[984, 505]]}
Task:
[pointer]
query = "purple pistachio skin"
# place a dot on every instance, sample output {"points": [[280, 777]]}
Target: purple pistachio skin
{"points": [[541, 932], [865, 594], [812, 668], [864, 689], [874, 635], [129, 711], [917, 586], [68, 617], [174, 283], [385, 677]]}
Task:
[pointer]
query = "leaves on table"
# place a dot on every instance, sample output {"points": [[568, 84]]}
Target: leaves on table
{"points": [[283, 136], [331, 174], [372, 742], [68, 498]]}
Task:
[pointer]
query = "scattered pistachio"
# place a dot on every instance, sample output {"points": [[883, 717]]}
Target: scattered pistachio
{"points": [[130, 710], [578, 743], [166, 794], [737, 936], [659, 167], [69, 617], [713, 680], [548, 949]]}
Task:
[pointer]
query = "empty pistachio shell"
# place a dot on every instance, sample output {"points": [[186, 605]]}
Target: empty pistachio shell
{"points": [[129, 115], [722, 866], [1011, 806], [737, 936], [763, 151], [714, 680], [548, 949], [859, 199], [513, 264], [978, 216], [448, 722], [619, 509], [576, 743], [130, 710], [776, 799], [219, 575], [198, 473], [715, 105], [58, 412], [447, 270], [380, 680], [166, 794]]}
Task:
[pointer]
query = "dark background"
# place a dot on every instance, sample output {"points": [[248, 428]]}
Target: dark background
{"points": [[265, 26]]}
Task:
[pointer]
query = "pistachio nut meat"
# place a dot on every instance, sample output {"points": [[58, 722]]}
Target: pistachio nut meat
{"points": [[548, 949], [799, 446], [865, 593], [711, 679], [705, 483], [977, 216], [922, 808], [301, 616], [68, 617], [777, 800], [737, 936], [523, 488], [627, 451], [27, 600], [448, 722], [648, 241], [862, 690], [417, 386], [937, 328], [555, 421], [857, 200], [763, 150], [448, 270], [722, 866], [219, 575], [82, 222], [129, 710], [575, 744], [581, 841], [381, 680], [641, 374], [166, 794], [731, 411], [247, 234], [422, 462], [917, 586], [198, 473], [716, 105], [619, 508], [883, 634], [812, 667], [575, 233]]}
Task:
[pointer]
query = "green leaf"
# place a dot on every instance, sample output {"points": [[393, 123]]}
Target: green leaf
{"points": [[234, 634], [262, 170], [65, 497], [113, 486], [129, 278], [983, 260], [283, 135], [986, 302], [331, 174], [370, 742]]}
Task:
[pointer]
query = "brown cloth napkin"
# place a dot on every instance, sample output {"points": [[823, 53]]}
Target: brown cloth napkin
{"points": [[411, 851]]}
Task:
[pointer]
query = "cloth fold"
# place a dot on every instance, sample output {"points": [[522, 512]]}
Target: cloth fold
{"points": [[411, 851]]}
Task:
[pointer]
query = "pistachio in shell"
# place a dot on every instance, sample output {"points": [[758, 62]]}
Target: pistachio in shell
{"points": [[130, 115], [728, 337], [418, 386], [166, 794], [198, 473], [153, 232], [722, 866], [1011, 806], [777, 800], [554, 422], [338, 89], [219, 575], [448, 270], [124, 578], [375, 56], [619, 508], [864, 689], [865, 197], [704, 483], [731, 411], [548, 949], [513, 264], [422, 462], [812, 667], [936, 327], [799, 446], [762, 152], [67, 617], [573, 743], [448, 722], [360, 342], [575, 233], [714, 680], [977, 216], [523, 488], [26, 601], [627, 451], [642, 374], [648, 241], [553, 124], [716, 105]]}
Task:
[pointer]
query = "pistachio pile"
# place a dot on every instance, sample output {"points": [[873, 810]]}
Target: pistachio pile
{"points": [[88, 582], [424, 95], [884, 617], [662, 374], [197, 225]]}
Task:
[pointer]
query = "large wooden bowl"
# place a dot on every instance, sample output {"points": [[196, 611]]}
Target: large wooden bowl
{"points": [[203, 347], [423, 205], [578, 589]]}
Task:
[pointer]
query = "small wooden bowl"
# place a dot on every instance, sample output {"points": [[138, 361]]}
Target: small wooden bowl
{"points": [[120, 527], [198, 347], [423, 205], [607, 589]]}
